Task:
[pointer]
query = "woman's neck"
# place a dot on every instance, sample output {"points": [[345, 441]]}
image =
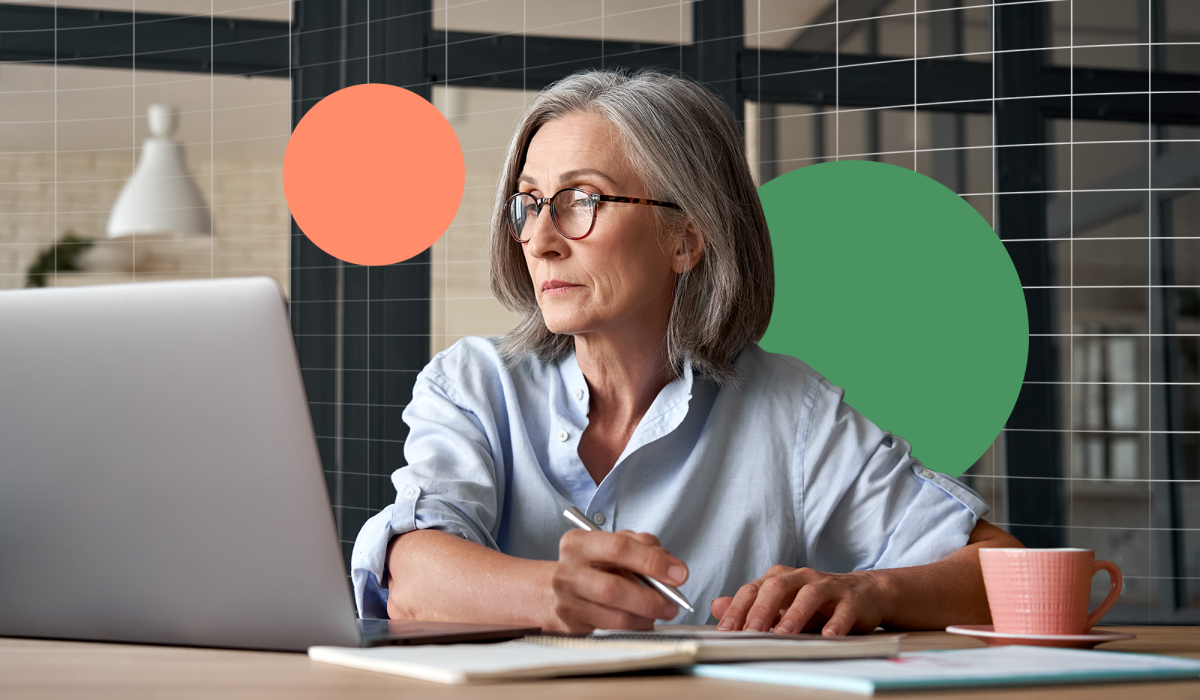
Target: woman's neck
{"points": [[623, 378], [624, 374]]}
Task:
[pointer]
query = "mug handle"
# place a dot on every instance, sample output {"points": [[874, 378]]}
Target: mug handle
{"points": [[1114, 576]]}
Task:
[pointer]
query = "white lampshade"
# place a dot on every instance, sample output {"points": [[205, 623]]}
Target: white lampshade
{"points": [[161, 197]]}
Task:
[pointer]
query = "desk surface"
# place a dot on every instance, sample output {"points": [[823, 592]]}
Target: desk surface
{"points": [[42, 669]]}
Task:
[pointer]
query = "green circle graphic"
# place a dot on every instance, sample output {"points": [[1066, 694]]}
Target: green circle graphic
{"points": [[894, 288]]}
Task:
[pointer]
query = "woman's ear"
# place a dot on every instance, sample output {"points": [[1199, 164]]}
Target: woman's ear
{"points": [[689, 248]]}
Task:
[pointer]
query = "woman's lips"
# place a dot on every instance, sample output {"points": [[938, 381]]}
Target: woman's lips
{"points": [[558, 287]]}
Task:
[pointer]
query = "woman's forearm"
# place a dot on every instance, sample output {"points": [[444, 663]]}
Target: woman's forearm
{"points": [[946, 592], [435, 576], [439, 577]]}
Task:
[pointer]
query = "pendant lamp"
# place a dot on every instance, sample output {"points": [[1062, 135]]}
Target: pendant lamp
{"points": [[161, 197]]}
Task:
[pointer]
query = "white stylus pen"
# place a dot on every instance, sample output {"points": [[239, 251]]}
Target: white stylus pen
{"points": [[671, 593]]}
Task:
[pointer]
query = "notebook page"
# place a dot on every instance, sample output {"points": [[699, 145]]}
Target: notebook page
{"points": [[995, 666], [470, 663]]}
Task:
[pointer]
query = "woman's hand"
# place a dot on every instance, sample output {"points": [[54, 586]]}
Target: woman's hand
{"points": [[794, 600], [594, 587]]}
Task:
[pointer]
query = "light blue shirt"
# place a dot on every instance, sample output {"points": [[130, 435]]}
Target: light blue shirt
{"points": [[731, 479]]}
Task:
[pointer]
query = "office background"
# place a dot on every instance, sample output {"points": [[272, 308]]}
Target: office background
{"points": [[1072, 126]]}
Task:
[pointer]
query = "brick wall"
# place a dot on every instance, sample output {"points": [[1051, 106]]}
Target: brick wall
{"points": [[43, 195]]}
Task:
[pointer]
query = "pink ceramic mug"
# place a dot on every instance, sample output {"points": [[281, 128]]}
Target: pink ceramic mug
{"points": [[1044, 591]]}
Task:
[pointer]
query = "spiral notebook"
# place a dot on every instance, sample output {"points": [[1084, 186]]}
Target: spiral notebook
{"points": [[548, 656], [716, 646]]}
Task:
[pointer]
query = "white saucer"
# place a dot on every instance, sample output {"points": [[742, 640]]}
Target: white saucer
{"points": [[988, 635]]}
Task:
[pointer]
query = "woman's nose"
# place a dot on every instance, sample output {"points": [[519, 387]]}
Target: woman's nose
{"points": [[544, 239]]}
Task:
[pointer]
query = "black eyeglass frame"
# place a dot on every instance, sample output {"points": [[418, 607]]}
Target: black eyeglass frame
{"points": [[595, 198]]}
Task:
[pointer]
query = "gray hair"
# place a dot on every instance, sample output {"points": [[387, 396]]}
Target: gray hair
{"points": [[687, 148]]}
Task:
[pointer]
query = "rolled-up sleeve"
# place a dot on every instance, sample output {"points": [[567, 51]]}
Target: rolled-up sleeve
{"points": [[868, 503], [452, 483]]}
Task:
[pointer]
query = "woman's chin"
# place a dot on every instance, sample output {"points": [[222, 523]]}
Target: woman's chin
{"points": [[557, 321], [561, 326], [562, 329]]}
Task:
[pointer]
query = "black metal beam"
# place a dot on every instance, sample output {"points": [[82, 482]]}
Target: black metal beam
{"points": [[717, 36], [808, 77], [948, 131], [398, 316], [315, 279], [362, 332], [106, 38], [816, 78], [1121, 95], [147, 40], [532, 63], [830, 29], [1033, 443]]}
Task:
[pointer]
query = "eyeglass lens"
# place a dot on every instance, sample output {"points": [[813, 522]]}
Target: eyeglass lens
{"points": [[571, 211]]}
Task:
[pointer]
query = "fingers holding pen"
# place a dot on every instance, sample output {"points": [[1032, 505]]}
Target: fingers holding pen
{"points": [[637, 552], [581, 615], [594, 586], [644, 537], [611, 589]]}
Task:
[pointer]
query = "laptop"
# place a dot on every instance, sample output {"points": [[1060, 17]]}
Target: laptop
{"points": [[159, 475]]}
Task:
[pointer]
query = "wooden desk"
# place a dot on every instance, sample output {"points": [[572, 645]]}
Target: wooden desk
{"points": [[40, 669]]}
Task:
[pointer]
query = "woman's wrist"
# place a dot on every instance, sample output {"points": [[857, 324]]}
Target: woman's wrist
{"points": [[385, 574], [547, 602], [883, 589]]}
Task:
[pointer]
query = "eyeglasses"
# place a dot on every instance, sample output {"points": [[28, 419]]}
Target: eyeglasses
{"points": [[572, 211]]}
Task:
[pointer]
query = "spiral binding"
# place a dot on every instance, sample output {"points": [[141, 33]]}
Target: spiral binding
{"points": [[631, 641]]}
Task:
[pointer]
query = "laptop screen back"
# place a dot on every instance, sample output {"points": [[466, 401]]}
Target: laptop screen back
{"points": [[159, 476]]}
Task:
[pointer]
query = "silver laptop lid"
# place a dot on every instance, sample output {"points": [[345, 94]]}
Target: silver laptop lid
{"points": [[159, 476]]}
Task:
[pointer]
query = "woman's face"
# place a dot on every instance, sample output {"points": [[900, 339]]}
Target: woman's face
{"points": [[621, 277]]}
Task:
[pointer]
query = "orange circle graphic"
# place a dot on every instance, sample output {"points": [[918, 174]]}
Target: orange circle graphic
{"points": [[373, 174]]}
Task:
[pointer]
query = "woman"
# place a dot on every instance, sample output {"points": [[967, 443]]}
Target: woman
{"points": [[629, 235]]}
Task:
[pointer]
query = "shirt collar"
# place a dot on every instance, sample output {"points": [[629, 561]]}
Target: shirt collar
{"points": [[673, 397], [574, 381]]}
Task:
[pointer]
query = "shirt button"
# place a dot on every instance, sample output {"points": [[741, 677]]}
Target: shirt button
{"points": [[410, 492], [563, 436], [579, 394], [598, 518], [927, 473]]}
